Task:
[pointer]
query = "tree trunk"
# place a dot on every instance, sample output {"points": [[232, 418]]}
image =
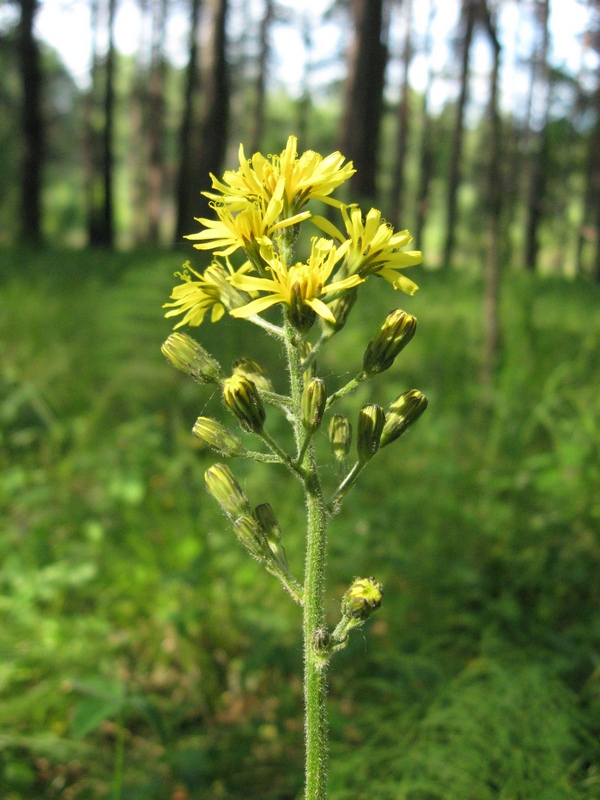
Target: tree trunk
{"points": [[397, 205], [156, 125], [492, 343], [468, 21], [186, 191], [263, 64], [107, 232], [539, 167], [426, 155], [32, 126], [361, 121]]}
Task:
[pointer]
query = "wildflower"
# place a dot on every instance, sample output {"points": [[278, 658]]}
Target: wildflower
{"points": [[221, 483], [300, 287], [241, 396], [211, 291], [305, 177], [314, 398], [362, 598], [248, 228], [340, 436], [186, 354], [218, 437], [403, 413], [370, 424], [374, 247], [395, 333]]}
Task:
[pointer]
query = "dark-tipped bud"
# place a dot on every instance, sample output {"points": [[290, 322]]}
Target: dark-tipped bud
{"points": [[254, 372], [371, 420], [321, 640], [241, 396], [362, 598], [314, 399], [249, 534], [227, 491], [340, 308], [218, 437], [392, 337], [186, 354], [267, 522], [340, 436], [309, 372], [403, 413]]}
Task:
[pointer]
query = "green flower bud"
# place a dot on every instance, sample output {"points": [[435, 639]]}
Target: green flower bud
{"points": [[371, 420], [228, 294], [305, 350], [227, 491], [268, 524], [392, 337], [254, 372], [321, 640], [314, 398], [241, 396], [340, 436], [249, 534], [186, 354], [340, 308], [301, 316], [218, 437], [403, 413], [362, 598]]}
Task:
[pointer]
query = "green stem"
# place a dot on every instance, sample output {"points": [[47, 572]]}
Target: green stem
{"points": [[315, 688], [336, 498], [349, 387]]}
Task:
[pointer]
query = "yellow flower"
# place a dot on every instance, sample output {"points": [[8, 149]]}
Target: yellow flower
{"points": [[300, 287], [374, 247], [248, 228], [210, 291], [305, 177]]}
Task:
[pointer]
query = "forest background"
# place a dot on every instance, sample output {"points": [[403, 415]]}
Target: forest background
{"points": [[143, 655]]}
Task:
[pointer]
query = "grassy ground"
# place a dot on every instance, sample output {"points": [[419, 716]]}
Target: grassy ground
{"points": [[145, 656]]}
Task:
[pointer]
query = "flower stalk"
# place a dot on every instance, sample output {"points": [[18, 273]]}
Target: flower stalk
{"points": [[259, 209]]}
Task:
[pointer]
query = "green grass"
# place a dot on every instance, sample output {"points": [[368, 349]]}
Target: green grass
{"points": [[130, 613]]}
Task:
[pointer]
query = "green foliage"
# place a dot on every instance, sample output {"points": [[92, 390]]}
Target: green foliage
{"points": [[131, 617]]}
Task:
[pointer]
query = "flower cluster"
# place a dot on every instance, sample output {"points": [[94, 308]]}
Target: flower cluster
{"points": [[259, 208]]}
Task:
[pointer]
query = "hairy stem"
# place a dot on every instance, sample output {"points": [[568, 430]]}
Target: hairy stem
{"points": [[315, 687]]}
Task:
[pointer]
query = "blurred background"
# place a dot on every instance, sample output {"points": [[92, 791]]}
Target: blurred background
{"points": [[144, 656]]}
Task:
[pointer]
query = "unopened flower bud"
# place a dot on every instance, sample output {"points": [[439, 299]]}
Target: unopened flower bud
{"points": [[186, 354], [362, 598], [305, 350], [227, 491], [254, 372], [218, 437], [371, 420], [301, 315], [267, 522], [403, 413], [392, 337], [228, 294], [241, 396], [321, 639], [340, 436], [249, 534], [314, 399], [340, 308]]}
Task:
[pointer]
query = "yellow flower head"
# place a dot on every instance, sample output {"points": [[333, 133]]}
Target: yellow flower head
{"points": [[374, 247], [248, 228], [300, 287], [305, 177], [211, 291]]}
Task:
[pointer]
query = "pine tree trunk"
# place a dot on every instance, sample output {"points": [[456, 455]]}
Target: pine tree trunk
{"points": [[263, 64], [32, 126], [156, 127], [186, 192], [468, 21], [426, 155], [397, 205], [361, 121], [539, 167], [106, 230]]}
